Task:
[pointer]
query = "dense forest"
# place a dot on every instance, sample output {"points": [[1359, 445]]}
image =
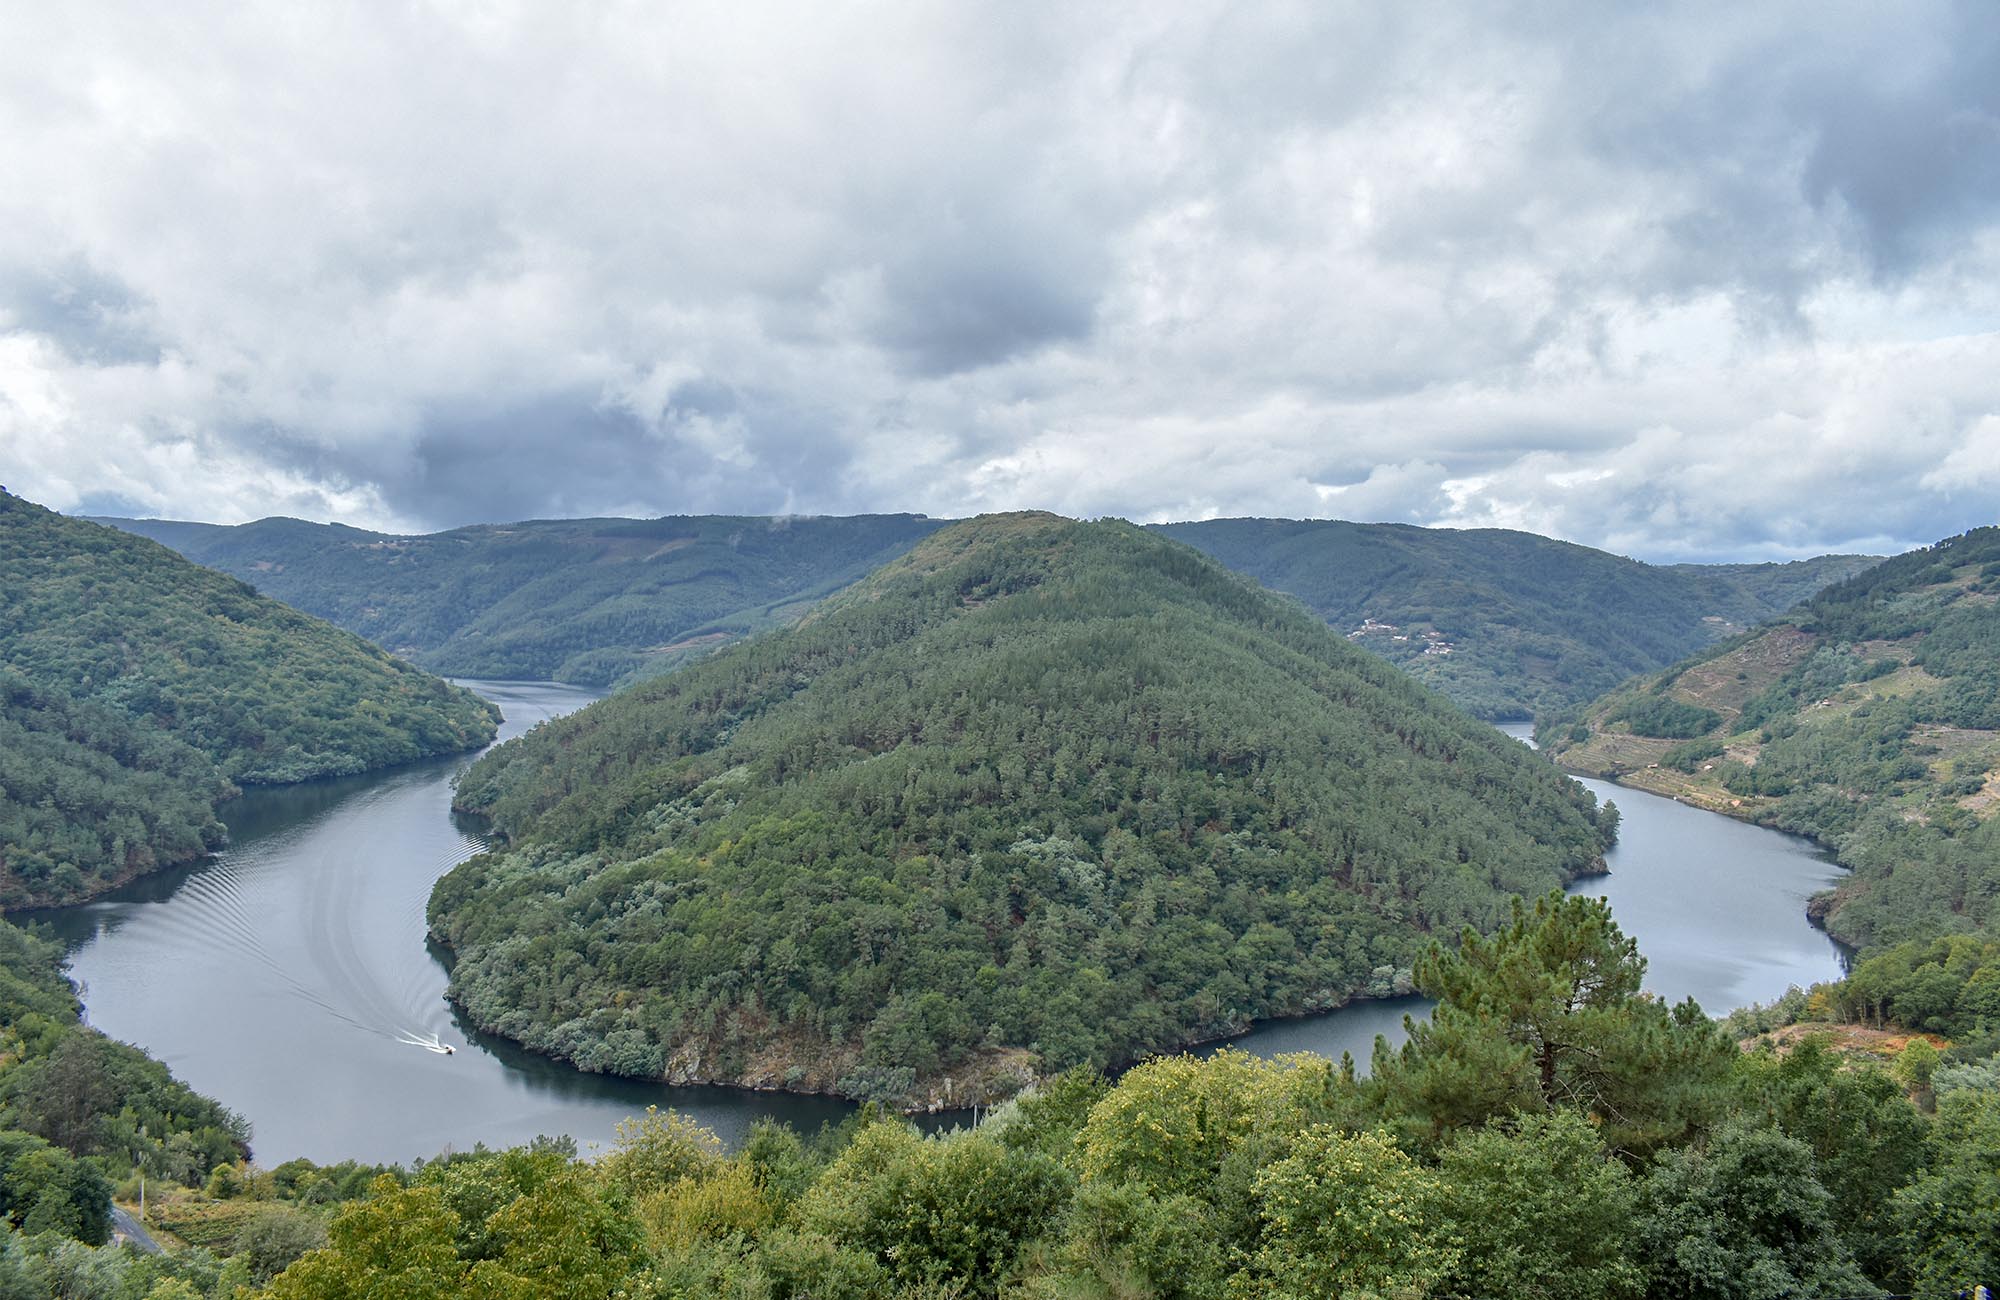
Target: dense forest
{"points": [[589, 601], [138, 690], [1508, 624], [1037, 794], [1551, 1132], [1869, 719]]}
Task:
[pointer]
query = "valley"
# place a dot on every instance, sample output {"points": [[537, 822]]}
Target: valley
{"points": [[1025, 805], [1508, 625], [1866, 718], [283, 974]]}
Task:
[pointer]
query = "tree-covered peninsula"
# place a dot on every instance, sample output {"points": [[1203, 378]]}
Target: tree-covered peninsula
{"points": [[1038, 794], [138, 691]]}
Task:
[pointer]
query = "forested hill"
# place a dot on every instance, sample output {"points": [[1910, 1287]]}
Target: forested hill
{"points": [[137, 690], [589, 601], [1869, 718], [1037, 793], [1508, 624]]}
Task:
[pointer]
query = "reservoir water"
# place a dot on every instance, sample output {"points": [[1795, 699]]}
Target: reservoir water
{"points": [[290, 978]]}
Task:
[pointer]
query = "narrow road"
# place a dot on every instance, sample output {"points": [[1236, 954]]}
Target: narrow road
{"points": [[126, 1228]]}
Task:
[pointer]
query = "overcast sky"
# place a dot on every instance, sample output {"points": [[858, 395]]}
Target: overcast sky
{"points": [[1698, 282]]}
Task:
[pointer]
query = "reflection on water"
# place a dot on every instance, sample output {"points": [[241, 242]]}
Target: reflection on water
{"points": [[290, 976]]}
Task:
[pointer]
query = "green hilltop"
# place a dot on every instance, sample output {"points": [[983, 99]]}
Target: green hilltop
{"points": [[1869, 718], [1038, 793], [138, 691]]}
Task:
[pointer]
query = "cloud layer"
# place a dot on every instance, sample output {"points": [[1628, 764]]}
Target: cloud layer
{"points": [[1706, 282]]}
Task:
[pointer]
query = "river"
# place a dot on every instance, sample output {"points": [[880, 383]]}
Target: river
{"points": [[1717, 905], [290, 979]]}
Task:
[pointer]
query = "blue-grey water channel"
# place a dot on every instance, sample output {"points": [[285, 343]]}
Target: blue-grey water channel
{"points": [[289, 977]]}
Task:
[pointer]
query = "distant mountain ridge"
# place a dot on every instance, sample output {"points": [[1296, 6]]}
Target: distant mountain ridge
{"points": [[1508, 624], [1869, 718], [589, 601], [139, 690], [1037, 793]]}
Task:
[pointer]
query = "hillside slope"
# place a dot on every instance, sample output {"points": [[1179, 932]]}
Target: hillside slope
{"points": [[1038, 793], [1508, 624], [137, 690], [588, 601], [1868, 718]]}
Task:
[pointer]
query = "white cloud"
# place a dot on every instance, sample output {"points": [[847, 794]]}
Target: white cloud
{"points": [[1679, 284]]}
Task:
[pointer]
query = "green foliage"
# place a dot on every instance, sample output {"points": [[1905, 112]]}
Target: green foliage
{"points": [[1216, 1179], [1745, 1216], [1172, 1124], [1948, 986], [527, 1223], [956, 1209], [591, 601], [44, 1188], [657, 1150], [1656, 715], [1688, 757], [1069, 788], [1345, 1213], [138, 690], [1547, 1015], [1124, 1240], [1049, 1117], [1947, 1232], [89, 795], [1916, 1063], [1538, 1211], [272, 1238], [399, 1244], [1535, 626], [51, 1266], [1865, 1138]]}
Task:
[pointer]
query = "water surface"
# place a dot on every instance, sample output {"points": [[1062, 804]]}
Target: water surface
{"points": [[290, 977]]}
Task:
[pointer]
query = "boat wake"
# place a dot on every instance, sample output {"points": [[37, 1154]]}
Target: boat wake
{"points": [[429, 1042]]}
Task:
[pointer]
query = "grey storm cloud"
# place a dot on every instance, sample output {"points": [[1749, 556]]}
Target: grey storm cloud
{"points": [[1687, 281]]}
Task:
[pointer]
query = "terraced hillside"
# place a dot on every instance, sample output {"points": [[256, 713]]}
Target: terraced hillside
{"points": [[1869, 718]]}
